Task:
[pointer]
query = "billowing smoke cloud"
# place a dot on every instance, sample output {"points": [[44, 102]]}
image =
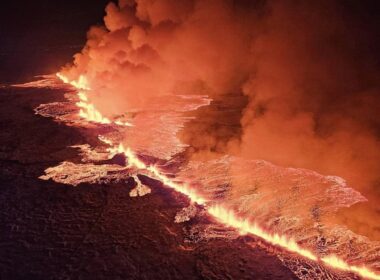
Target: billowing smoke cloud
{"points": [[152, 48], [294, 82], [314, 97]]}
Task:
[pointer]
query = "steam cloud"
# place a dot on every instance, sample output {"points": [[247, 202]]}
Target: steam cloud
{"points": [[305, 74]]}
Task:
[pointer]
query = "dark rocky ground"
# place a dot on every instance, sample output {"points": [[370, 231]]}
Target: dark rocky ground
{"points": [[54, 231]]}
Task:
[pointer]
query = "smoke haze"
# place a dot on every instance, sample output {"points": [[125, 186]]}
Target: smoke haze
{"points": [[293, 82]]}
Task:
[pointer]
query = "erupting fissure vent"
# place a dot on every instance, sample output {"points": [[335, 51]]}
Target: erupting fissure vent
{"points": [[87, 110], [222, 214]]}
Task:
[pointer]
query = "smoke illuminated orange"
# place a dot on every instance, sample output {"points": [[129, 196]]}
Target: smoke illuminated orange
{"points": [[225, 216]]}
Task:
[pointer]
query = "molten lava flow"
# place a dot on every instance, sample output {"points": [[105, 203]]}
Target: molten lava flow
{"points": [[337, 263], [87, 110], [80, 84], [229, 218], [222, 214], [134, 161]]}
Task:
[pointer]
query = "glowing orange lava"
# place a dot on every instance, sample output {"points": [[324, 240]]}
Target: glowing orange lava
{"points": [[134, 161], [336, 262], [229, 218], [223, 215], [87, 110]]}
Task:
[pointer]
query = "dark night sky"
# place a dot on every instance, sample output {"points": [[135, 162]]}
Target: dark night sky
{"points": [[39, 36]]}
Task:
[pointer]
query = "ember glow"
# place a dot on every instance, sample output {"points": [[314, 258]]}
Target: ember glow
{"points": [[222, 214]]}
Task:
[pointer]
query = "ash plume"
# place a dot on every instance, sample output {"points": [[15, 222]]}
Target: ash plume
{"points": [[300, 76]]}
